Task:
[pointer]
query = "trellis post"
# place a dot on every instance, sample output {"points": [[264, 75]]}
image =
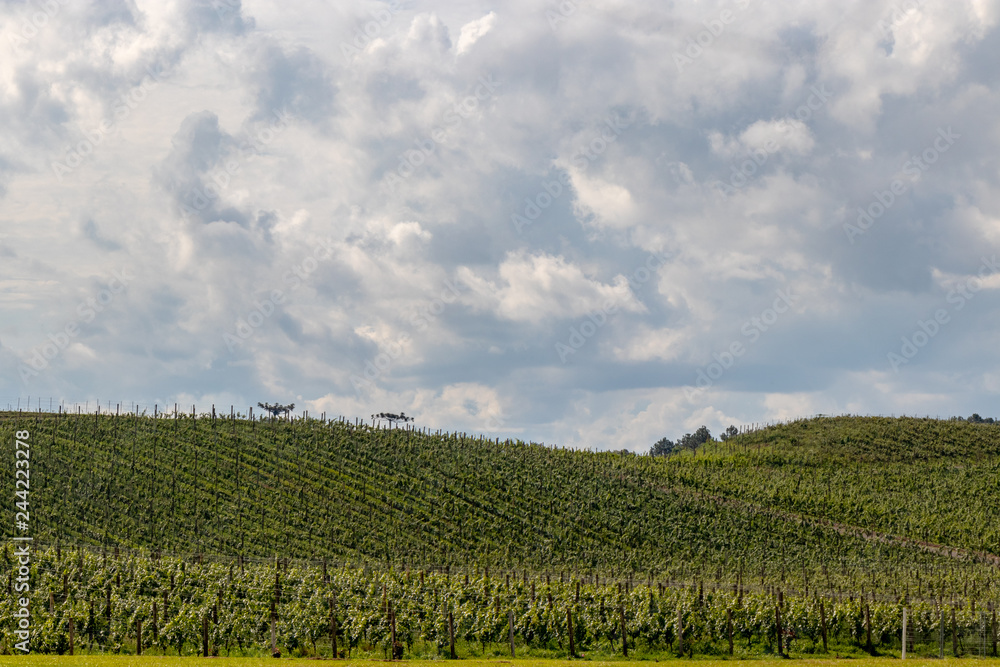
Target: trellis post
{"points": [[569, 627], [274, 639], [621, 613], [822, 621], [333, 628], [451, 635], [510, 630], [903, 655], [940, 633], [729, 629]]}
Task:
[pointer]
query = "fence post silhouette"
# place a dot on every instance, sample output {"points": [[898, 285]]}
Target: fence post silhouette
{"points": [[510, 630]]}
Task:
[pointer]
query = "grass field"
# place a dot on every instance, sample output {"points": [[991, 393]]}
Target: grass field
{"points": [[159, 661]]}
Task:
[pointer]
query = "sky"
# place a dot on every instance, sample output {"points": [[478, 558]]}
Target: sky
{"points": [[589, 223]]}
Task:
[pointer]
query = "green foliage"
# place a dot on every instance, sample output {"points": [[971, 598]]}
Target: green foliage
{"points": [[420, 602], [760, 503], [922, 480], [662, 447]]}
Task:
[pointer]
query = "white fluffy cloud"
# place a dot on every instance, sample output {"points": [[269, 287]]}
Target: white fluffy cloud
{"points": [[538, 288], [472, 31], [392, 207]]}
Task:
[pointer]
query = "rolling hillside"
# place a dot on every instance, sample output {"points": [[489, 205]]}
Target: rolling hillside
{"points": [[926, 481], [878, 502]]}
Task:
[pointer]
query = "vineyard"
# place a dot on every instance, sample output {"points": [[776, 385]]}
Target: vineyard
{"points": [[208, 533], [117, 603]]}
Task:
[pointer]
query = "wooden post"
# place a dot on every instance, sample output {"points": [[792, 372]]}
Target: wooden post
{"points": [[392, 626], [71, 635], [729, 629], [156, 636], [903, 654], [274, 639], [204, 636], [822, 621], [680, 632], [138, 636], [993, 632], [569, 625], [940, 633], [621, 614], [451, 635], [510, 630], [333, 628], [868, 630], [777, 623], [954, 634]]}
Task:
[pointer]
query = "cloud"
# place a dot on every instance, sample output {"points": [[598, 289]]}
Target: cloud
{"points": [[295, 82], [238, 159], [473, 31], [793, 136], [91, 233], [199, 147], [534, 288], [427, 32], [223, 16]]}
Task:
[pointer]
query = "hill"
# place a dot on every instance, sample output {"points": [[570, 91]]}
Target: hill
{"points": [[876, 502], [922, 480]]}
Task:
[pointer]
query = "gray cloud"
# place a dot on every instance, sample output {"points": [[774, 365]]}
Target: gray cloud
{"points": [[296, 82], [297, 218]]}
